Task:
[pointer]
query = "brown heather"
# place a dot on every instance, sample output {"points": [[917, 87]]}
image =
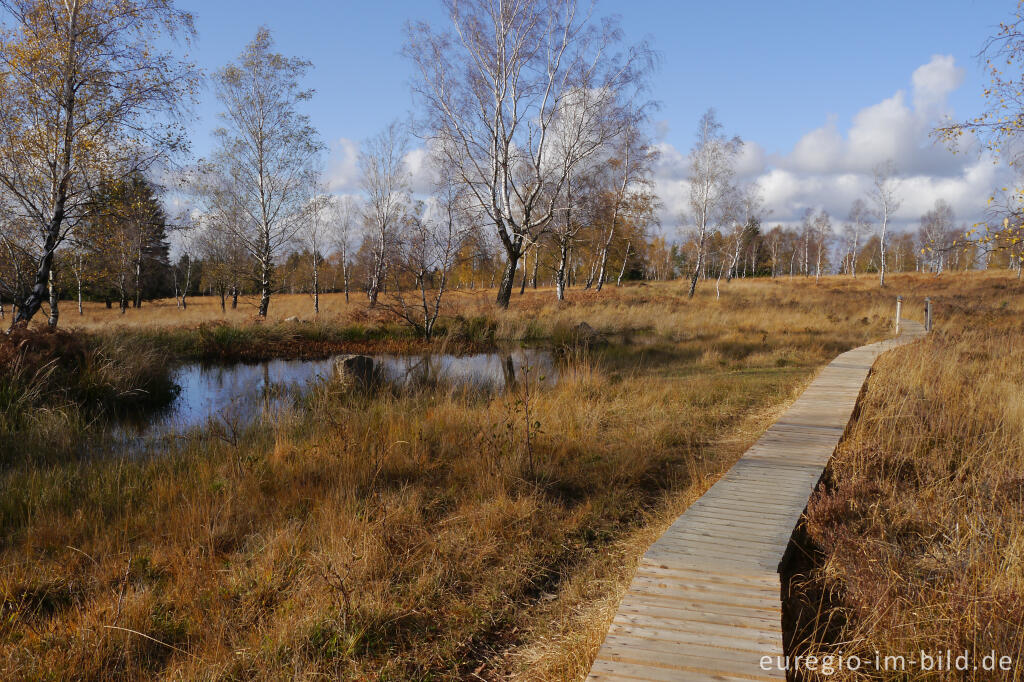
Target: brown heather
{"points": [[918, 534], [400, 535]]}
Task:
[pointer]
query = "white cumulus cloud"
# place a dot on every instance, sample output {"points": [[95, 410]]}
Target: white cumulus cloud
{"points": [[343, 166], [933, 82], [829, 168]]}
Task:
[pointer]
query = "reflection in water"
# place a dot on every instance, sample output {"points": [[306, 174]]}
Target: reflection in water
{"points": [[486, 371], [235, 395]]}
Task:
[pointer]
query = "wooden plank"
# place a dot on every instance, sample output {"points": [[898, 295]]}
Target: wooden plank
{"points": [[727, 494], [725, 641], [752, 582], [727, 599], [772, 511], [738, 511], [728, 538], [699, 553], [621, 671], [726, 517], [726, 528], [765, 639], [683, 657], [636, 606], [705, 603]]}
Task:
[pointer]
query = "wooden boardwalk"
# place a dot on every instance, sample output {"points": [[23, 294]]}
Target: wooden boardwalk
{"points": [[706, 600]]}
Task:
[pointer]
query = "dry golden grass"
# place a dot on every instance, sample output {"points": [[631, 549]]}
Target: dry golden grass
{"points": [[788, 305], [402, 535], [918, 534]]}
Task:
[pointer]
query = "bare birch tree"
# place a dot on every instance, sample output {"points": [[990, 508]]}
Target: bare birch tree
{"points": [[17, 257], [625, 260], [821, 230], [188, 233], [267, 156], [883, 194], [936, 235], [806, 237], [860, 223], [774, 242], [222, 261], [314, 237], [343, 215], [385, 182], [744, 211], [431, 239], [712, 168], [565, 227], [493, 87], [630, 166]]}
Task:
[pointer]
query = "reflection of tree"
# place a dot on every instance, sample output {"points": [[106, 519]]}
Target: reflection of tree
{"points": [[417, 371], [509, 370], [265, 392]]}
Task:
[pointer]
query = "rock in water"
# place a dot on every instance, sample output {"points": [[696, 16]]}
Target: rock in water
{"points": [[585, 335], [359, 370]]}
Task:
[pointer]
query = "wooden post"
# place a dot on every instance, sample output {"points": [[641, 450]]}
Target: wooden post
{"points": [[899, 310], [927, 314]]}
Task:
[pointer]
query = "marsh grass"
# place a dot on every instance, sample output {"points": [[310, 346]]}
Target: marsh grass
{"points": [[55, 384], [402, 534], [917, 535]]}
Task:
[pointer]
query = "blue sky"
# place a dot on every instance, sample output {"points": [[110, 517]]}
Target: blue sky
{"points": [[775, 71]]}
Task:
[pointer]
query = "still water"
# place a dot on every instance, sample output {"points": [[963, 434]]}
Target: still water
{"points": [[237, 394]]}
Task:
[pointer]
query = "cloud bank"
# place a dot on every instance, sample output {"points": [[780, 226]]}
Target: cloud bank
{"points": [[829, 168], [343, 168]]}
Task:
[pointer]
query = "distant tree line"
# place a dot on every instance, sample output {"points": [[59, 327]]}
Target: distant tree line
{"points": [[536, 170]]}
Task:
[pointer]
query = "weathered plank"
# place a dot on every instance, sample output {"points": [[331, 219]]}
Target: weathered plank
{"points": [[705, 603]]}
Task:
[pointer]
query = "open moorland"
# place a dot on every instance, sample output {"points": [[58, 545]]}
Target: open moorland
{"points": [[511, 340], [431, 531]]}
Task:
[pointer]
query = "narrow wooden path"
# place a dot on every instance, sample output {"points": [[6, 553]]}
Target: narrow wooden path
{"points": [[706, 600]]}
